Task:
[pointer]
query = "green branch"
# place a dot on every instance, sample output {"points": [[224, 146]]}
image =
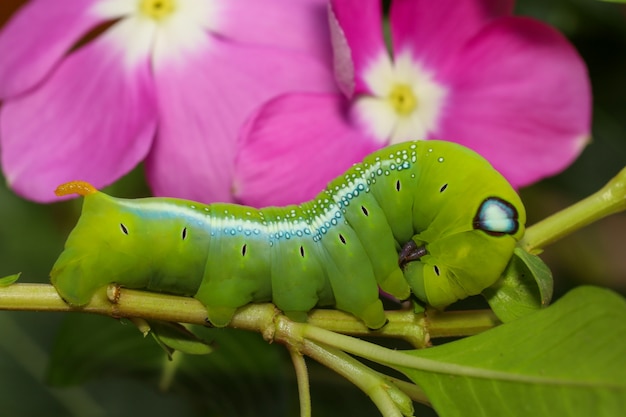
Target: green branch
{"points": [[113, 301], [610, 199]]}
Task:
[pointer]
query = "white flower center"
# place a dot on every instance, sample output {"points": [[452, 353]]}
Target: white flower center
{"points": [[158, 30], [405, 103]]}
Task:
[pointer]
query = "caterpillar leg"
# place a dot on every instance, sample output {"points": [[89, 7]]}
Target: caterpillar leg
{"points": [[298, 316], [374, 315], [396, 285], [411, 252], [220, 316]]}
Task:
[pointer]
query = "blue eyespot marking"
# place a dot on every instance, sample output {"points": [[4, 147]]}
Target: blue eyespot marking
{"points": [[496, 217]]}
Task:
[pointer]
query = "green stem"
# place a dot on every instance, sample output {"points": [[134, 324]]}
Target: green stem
{"points": [[391, 402], [403, 324], [610, 199], [414, 328], [302, 376], [413, 391], [459, 323]]}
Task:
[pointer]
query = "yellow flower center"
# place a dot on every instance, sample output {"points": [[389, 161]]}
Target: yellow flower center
{"points": [[157, 9], [402, 99]]}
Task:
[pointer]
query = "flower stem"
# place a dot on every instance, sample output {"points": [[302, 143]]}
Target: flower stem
{"points": [[610, 199]]}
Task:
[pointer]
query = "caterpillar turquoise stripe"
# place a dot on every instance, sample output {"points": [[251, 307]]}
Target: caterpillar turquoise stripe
{"points": [[430, 218]]}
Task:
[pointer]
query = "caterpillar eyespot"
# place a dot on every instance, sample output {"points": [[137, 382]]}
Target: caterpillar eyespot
{"points": [[496, 216], [452, 244]]}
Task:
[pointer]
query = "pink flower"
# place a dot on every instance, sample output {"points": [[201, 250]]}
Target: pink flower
{"points": [[466, 71], [167, 81]]}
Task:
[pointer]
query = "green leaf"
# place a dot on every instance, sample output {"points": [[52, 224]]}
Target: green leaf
{"points": [[526, 286], [9, 279], [566, 360], [174, 336]]}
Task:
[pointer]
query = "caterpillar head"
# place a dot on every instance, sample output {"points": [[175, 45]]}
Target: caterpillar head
{"points": [[468, 223]]}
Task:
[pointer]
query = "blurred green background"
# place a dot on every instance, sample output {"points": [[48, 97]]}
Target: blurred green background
{"points": [[247, 376]]}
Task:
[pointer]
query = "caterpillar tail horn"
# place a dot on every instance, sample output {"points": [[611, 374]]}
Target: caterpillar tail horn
{"points": [[75, 187]]}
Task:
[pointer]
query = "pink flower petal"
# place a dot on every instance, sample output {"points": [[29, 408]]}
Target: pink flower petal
{"points": [[520, 96], [435, 30], [90, 121], [35, 39], [293, 146], [205, 101], [297, 25], [357, 37]]}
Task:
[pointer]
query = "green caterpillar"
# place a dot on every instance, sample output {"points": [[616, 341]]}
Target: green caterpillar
{"points": [[428, 217]]}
